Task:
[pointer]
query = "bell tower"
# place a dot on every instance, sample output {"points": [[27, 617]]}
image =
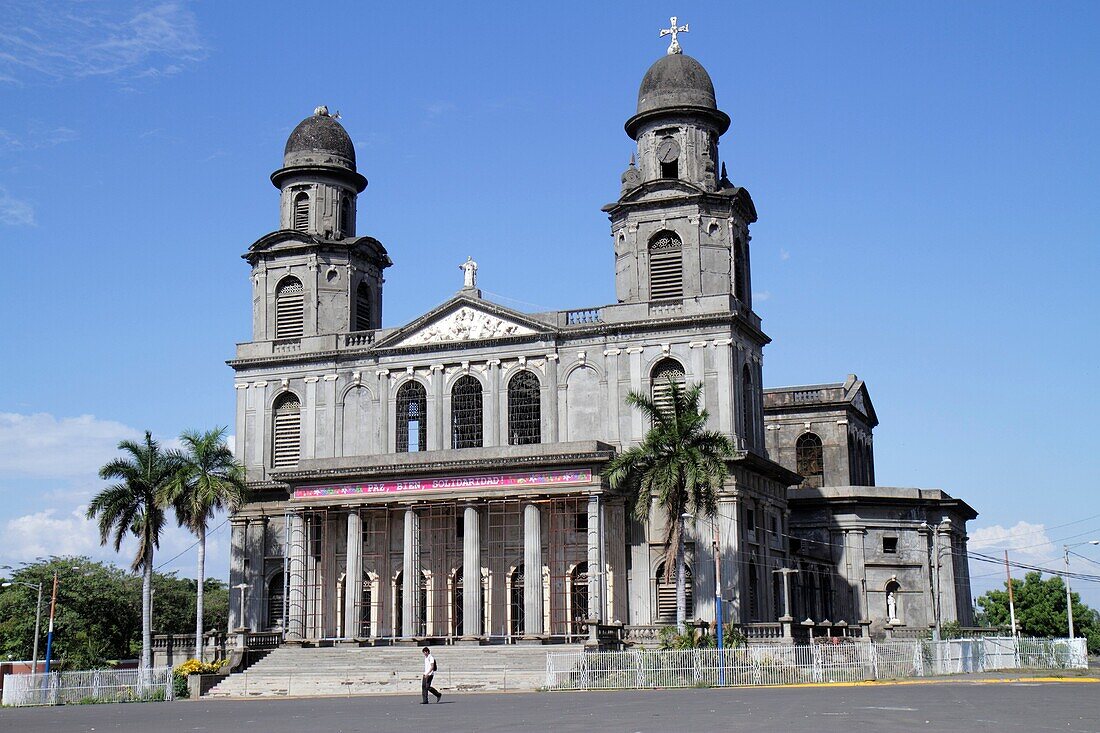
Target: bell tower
{"points": [[680, 228], [314, 276]]}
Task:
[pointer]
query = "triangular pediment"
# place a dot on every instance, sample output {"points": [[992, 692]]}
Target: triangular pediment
{"points": [[464, 319]]}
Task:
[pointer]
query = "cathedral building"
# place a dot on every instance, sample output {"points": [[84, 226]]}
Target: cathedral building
{"points": [[442, 479]]}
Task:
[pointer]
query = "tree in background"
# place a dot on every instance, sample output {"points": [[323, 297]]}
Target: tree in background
{"points": [[1040, 610], [135, 506], [209, 479], [679, 463], [98, 618]]}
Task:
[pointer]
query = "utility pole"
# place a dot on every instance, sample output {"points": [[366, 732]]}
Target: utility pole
{"points": [[719, 632], [37, 619], [1069, 598], [1011, 601], [49, 634]]}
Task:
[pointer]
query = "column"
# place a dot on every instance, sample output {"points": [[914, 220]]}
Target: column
{"points": [[725, 385], [550, 409], [434, 419], [309, 419], [596, 569], [729, 548], [490, 425], [611, 361], [532, 570], [296, 581], [237, 540], [637, 429], [471, 572], [949, 608], [410, 575], [387, 438], [256, 536], [353, 584], [327, 448]]}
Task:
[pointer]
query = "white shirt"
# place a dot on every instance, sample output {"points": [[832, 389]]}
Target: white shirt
{"points": [[429, 662]]}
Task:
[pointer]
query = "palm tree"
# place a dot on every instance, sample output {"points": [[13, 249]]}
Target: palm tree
{"points": [[135, 506], [679, 463], [209, 479]]}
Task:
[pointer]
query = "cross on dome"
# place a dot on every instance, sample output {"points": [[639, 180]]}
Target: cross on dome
{"points": [[674, 47]]}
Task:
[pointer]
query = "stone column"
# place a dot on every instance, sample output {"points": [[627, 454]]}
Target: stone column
{"points": [[410, 575], [611, 360], [309, 419], [295, 589], [490, 426], [550, 409], [949, 609], [353, 584], [387, 437], [237, 539], [595, 559], [256, 536], [433, 422], [637, 429], [471, 572], [532, 571], [724, 383]]}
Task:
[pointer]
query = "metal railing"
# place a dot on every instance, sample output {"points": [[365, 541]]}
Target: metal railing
{"points": [[851, 661], [100, 685]]}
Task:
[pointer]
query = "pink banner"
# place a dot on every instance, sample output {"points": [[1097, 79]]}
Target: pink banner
{"points": [[491, 481]]}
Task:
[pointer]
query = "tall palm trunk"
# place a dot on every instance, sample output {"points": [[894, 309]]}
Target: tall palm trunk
{"points": [[201, 532], [146, 620], [681, 579]]}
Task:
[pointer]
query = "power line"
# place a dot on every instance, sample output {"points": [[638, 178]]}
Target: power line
{"points": [[190, 547]]}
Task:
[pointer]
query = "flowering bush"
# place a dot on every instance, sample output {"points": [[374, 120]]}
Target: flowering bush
{"points": [[194, 666]]}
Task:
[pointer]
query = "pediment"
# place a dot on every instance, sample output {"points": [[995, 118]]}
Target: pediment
{"points": [[466, 322]]}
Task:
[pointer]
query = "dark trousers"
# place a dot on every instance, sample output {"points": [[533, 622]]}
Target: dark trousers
{"points": [[426, 687]]}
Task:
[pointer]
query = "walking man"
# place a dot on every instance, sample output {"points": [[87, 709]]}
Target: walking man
{"points": [[426, 681]]}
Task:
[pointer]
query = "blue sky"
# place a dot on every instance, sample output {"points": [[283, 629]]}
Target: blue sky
{"points": [[925, 178]]}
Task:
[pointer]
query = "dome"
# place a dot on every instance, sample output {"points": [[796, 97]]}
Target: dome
{"points": [[319, 139], [677, 82]]}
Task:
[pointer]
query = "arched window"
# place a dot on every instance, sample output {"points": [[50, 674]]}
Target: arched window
{"points": [[286, 432], [289, 308], [301, 211], [666, 271], [578, 599], [456, 604], [398, 603], [810, 460], [515, 602], [366, 606], [347, 216], [666, 373], [666, 595], [754, 591], [466, 418], [739, 271], [747, 407], [412, 412], [276, 600], [362, 308], [893, 597], [524, 409]]}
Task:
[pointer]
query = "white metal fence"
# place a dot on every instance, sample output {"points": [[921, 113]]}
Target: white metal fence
{"points": [[101, 685], [787, 664]]}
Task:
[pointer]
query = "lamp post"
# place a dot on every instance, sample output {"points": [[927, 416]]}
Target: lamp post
{"points": [[1069, 599], [935, 530], [37, 618]]}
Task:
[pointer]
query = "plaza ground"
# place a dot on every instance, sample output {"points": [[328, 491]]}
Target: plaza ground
{"points": [[1029, 706]]}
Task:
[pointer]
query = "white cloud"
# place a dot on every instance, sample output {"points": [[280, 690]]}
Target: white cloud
{"points": [[784, 254], [762, 295], [1023, 540], [15, 212], [43, 446], [71, 39]]}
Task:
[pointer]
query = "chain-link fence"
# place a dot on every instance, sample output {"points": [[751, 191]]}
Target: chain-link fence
{"points": [[101, 685], [789, 664]]}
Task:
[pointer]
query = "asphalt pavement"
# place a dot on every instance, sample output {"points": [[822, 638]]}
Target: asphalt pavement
{"points": [[1024, 707]]}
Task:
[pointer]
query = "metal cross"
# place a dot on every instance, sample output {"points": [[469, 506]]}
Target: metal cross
{"points": [[674, 47]]}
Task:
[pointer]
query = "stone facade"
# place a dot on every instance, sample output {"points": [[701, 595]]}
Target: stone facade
{"points": [[396, 469]]}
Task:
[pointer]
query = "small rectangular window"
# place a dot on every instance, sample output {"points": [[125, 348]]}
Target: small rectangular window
{"points": [[670, 170], [750, 520], [774, 525], [890, 545], [582, 521], [460, 526]]}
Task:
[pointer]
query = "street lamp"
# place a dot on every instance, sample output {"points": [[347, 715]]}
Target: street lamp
{"points": [[1069, 599], [935, 529], [37, 617]]}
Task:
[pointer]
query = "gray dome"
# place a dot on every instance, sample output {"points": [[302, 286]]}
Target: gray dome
{"points": [[676, 80], [677, 83], [319, 139]]}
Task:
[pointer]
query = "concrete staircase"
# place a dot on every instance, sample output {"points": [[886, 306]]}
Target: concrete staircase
{"points": [[393, 670]]}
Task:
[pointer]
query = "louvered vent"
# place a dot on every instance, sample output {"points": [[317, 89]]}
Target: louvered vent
{"points": [[287, 433], [362, 308], [301, 212], [661, 390], [666, 596], [666, 271], [289, 308]]}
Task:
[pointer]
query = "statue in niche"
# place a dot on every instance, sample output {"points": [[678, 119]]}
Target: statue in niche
{"points": [[892, 589]]}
